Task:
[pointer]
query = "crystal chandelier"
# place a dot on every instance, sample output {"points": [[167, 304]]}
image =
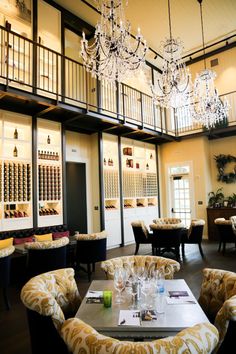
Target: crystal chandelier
{"points": [[208, 108], [113, 55], [171, 89]]}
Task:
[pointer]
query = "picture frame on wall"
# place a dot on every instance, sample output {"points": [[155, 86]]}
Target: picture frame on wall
{"points": [[20, 9]]}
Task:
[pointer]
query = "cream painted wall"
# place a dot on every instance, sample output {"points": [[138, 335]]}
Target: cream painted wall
{"points": [[226, 70], [195, 151], [201, 152], [84, 148], [226, 146]]}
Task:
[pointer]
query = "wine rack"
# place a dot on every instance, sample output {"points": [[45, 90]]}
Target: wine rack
{"points": [[49, 173], [16, 182], [49, 179], [16, 171], [111, 184]]}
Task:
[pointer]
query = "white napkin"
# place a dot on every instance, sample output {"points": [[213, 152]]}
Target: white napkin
{"points": [[95, 294], [180, 300], [129, 318]]}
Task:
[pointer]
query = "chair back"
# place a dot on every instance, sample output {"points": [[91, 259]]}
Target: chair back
{"points": [[168, 266], [167, 235], [49, 298], [140, 231], [233, 220], [5, 265], [195, 231], [80, 337], [167, 221], [91, 248], [46, 256], [218, 299], [225, 230]]}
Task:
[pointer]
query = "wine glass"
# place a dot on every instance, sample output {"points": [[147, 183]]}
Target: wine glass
{"points": [[119, 284], [134, 291], [146, 289]]}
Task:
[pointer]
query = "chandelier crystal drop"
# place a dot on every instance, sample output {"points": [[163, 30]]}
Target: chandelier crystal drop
{"points": [[114, 55], [208, 108], [172, 87]]}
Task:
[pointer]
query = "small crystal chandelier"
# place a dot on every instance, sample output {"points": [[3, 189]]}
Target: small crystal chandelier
{"points": [[171, 89], [208, 108], [113, 55]]}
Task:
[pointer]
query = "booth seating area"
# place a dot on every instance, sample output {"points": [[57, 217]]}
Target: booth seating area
{"points": [[226, 232], [49, 299]]}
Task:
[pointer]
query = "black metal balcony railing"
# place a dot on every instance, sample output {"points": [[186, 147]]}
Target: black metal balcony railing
{"points": [[32, 67]]}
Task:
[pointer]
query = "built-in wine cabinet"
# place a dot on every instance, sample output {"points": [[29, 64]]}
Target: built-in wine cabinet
{"points": [[15, 171], [49, 173]]}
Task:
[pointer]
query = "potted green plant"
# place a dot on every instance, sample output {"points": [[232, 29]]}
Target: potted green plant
{"points": [[215, 198], [232, 200]]}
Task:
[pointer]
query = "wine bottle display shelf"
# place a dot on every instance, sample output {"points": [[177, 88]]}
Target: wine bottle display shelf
{"points": [[139, 184], [11, 212], [111, 184], [16, 182], [48, 155], [49, 182], [47, 211]]}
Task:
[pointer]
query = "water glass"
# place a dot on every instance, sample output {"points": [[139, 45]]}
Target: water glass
{"points": [[107, 298]]}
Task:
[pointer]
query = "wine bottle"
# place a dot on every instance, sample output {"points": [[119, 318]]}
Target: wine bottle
{"points": [[15, 152], [49, 139], [15, 134]]}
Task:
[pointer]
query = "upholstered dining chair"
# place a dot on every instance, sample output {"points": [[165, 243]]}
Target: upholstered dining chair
{"points": [[233, 220], [50, 298], [46, 256], [5, 266], [167, 221], [167, 266], [218, 300], [141, 235], [226, 234], [193, 235], [90, 249], [167, 238], [82, 338]]}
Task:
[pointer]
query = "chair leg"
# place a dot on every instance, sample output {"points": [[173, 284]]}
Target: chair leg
{"points": [[89, 271], [6, 298], [136, 249], [224, 243], [183, 251], [177, 253], [93, 267], [200, 249], [219, 246], [153, 250]]}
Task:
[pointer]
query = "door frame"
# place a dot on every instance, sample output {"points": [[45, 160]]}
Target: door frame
{"points": [[191, 186]]}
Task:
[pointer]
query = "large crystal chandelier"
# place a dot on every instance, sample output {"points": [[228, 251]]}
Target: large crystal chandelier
{"points": [[209, 109], [171, 88], [114, 54]]}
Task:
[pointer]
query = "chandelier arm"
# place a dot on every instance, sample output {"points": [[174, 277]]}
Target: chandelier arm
{"points": [[203, 39], [169, 15]]}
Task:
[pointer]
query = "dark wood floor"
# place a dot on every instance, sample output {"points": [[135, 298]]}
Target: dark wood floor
{"points": [[14, 335]]}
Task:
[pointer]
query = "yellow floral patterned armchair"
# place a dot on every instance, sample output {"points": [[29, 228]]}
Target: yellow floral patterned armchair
{"points": [[167, 266], [82, 338], [218, 300], [50, 298]]}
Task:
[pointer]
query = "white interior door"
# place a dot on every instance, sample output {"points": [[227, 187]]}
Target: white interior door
{"points": [[181, 198], [181, 204]]}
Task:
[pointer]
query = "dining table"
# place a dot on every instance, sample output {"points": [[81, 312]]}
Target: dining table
{"points": [[179, 313]]}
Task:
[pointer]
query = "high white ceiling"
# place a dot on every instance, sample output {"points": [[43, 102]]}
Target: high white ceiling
{"points": [[152, 17]]}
